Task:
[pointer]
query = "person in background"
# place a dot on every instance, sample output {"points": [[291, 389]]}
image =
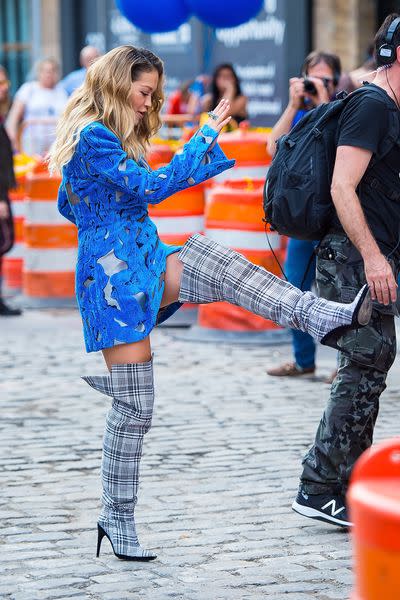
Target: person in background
{"points": [[184, 105], [75, 79], [7, 181], [225, 84], [197, 91], [178, 101], [321, 72], [36, 107]]}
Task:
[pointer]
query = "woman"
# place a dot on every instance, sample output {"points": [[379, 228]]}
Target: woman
{"points": [[37, 105], [225, 84], [320, 76], [127, 281], [7, 181]]}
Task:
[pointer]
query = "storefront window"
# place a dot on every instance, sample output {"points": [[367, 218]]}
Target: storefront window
{"points": [[15, 46]]}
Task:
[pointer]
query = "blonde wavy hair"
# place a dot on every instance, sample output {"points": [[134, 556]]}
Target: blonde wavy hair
{"points": [[104, 96]]}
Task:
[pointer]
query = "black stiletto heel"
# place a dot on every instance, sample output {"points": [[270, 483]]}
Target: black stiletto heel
{"points": [[101, 533], [361, 317]]}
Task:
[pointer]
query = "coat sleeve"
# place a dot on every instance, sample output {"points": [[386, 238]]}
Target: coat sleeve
{"points": [[105, 159], [64, 206]]}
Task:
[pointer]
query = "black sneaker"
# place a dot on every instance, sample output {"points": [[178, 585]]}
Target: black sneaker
{"points": [[330, 508]]}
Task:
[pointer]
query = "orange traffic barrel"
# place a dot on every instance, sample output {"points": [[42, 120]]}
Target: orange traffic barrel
{"points": [[51, 243], [159, 154], [14, 259], [176, 219], [374, 503], [180, 215], [249, 149], [233, 218]]}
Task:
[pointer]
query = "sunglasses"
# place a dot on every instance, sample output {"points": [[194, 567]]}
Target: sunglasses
{"points": [[4, 82]]}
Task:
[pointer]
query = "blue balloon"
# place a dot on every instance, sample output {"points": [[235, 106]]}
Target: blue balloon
{"points": [[225, 13], [154, 16]]}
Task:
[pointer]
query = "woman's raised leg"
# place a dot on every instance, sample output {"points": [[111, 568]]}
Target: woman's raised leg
{"points": [[212, 273], [130, 385]]}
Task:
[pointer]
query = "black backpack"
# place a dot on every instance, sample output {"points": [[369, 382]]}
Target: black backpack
{"points": [[297, 197]]}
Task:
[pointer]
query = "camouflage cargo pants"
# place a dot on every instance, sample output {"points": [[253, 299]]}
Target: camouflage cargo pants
{"points": [[347, 425]]}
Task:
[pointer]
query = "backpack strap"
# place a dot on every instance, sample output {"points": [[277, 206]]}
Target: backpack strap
{"points": [[375, 184]]}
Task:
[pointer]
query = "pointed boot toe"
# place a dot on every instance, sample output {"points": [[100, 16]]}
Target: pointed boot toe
{"points": [[362, 311]]}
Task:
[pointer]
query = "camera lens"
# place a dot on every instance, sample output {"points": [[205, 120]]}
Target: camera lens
{"points": [[309, 87]]}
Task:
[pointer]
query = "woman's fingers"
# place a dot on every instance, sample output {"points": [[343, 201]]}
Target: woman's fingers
{"points": [[225, 122], [221, 107], [224, 111], [221, 115]]}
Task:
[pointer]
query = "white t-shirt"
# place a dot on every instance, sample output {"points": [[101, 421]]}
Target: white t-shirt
{"points": [[43, 106]]}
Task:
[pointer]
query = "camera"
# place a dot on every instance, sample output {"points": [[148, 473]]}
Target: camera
{"points": [[309, 87]]}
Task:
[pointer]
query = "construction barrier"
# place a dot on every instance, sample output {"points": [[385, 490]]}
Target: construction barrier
{"points": [[176, 219], [13, 260], [233, 218], [159, 154], [51, 243], [180, 215], [374, 503], [249, 149]]}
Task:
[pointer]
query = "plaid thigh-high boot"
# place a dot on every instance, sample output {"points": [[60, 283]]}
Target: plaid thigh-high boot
{"points": [[132, 389], [213, 273]]}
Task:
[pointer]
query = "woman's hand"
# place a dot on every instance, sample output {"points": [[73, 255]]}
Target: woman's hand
{"points": [[221, 117], [4, 211]]}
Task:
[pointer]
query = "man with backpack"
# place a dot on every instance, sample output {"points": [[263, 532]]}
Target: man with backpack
{"points": [[362, 243]]}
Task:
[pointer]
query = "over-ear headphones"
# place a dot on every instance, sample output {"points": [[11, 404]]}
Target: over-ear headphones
{"points": [[387, 52]]}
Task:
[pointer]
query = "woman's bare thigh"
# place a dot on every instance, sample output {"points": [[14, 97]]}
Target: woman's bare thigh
{"points": [[173, 276], [122, 354], [138, 352]]}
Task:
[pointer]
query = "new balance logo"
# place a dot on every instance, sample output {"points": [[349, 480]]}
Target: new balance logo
{"points": [[334, 510]]}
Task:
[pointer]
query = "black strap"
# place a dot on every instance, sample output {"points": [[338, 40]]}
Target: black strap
{"points": [[375, 184], [310, 260], [272, 250]]}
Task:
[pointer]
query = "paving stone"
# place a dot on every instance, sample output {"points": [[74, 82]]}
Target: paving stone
{"points": [[219, 473]]}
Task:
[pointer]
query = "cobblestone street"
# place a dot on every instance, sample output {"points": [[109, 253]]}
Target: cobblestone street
{"points": [[219, 473]]}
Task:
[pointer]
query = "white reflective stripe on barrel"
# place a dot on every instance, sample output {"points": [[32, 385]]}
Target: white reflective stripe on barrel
{"points": [[243, 173], [18, 208], [17, 251], [245, 240], [44, 212], [178, 225], [50, 260]]}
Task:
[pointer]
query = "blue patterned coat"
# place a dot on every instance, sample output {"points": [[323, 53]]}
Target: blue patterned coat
{"points": [[121, 260]]}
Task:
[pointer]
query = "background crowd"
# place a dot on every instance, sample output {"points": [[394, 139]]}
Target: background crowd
{"points": [[37, 104]]}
